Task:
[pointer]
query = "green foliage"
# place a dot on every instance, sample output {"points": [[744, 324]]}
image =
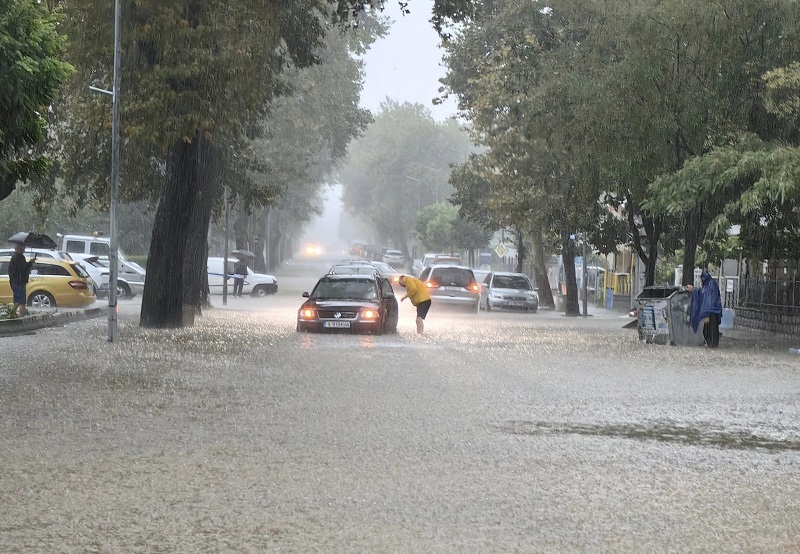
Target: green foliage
{"points": [[8, 311], [31, 74]]}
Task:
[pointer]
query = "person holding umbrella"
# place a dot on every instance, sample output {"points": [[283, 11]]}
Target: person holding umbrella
{"points": [[19, 271], [240, 270]]}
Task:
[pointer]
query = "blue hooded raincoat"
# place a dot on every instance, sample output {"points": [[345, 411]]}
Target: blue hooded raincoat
{"points": [[705, 300]]}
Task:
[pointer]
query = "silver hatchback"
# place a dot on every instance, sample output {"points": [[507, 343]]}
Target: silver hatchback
{"points": [[452, 285], [509, 291]]}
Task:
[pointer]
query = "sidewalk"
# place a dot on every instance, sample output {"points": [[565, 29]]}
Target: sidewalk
{"points": [[35, 321]]}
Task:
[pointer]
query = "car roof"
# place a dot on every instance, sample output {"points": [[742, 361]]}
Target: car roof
{"points": [[58, 261], [509, 273], [349, 277], [450, 266]]}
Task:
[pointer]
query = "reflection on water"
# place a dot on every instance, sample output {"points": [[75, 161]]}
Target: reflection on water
{"points": [[655, 431]]}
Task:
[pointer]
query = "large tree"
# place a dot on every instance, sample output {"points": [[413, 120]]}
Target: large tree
{"points": [[197, 77], [32, 71]]}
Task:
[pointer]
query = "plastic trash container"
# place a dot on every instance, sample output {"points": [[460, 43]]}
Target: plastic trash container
{"points": [[664, 317], [653, 314]]}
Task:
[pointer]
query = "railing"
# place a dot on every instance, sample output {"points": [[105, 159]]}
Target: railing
{"points": [[774, 295]]}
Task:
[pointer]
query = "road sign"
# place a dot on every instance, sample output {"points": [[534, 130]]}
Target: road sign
{"points": [[500, 250]]}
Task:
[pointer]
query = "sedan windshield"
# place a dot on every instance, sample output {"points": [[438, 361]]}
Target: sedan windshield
{"points": [[518, 282], [337, 290]]}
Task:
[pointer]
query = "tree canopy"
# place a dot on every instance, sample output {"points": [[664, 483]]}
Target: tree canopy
{"points": [[32, 71]]}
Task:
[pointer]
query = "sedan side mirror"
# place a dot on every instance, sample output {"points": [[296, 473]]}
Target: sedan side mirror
{"points": [[305, 295]]}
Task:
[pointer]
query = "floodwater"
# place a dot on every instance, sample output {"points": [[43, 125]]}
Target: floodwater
{"points": [[490, 433]]}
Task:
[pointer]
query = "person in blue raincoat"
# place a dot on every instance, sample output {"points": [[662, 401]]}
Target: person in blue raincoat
{"points": [[706, 308]]}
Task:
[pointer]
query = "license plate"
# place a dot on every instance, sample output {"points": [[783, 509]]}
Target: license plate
{"points": [[452, 288], [516, 304], [336, 324]]}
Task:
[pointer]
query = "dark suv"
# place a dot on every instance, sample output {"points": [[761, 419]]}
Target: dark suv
{"points": [[452, 285]]}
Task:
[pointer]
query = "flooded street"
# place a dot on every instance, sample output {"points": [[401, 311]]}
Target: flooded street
{"points": [[490, 433]]}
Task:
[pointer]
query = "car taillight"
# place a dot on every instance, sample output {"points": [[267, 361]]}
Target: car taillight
{"points": [[78, 285], [307, 313]]}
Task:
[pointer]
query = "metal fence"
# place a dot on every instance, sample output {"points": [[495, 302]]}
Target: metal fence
{"points": [[774, 295]]}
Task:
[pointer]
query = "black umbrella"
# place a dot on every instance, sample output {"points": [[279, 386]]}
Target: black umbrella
{"points": [[243, 254], [33, 240]]}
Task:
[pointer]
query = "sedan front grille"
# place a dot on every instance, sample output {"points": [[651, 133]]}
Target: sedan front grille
{"points": [[343, 314]]}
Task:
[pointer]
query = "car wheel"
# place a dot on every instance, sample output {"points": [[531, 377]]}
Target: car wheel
{"points": [[260, 291], [123, 290], [41, 300]]}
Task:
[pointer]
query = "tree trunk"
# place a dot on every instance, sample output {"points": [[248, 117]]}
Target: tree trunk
{"points": [[163, 297], [571, 301], [195, 260], [520, 252], [540, 273], [691, 238]]}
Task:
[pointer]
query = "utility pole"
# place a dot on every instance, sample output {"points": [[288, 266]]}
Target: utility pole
{"points": [[225, 255], [585, 278], [113, 253]]}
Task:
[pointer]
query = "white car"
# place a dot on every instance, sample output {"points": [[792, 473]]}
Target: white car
{"points": [[394, 258], [97, 272], [256, 284]]}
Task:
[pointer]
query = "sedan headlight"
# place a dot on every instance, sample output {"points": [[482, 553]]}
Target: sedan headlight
{"points": [[369, 314], [307, 313]]}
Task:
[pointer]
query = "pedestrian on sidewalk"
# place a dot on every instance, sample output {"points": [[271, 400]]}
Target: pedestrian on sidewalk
{"points": [[706, 308], [19, 271], [419, 296]]}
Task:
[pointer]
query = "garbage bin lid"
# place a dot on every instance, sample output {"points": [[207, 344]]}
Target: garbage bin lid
{"points": [[657, 292]]}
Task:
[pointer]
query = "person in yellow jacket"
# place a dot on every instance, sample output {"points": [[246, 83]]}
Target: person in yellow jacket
{"points": [[420, 297]]}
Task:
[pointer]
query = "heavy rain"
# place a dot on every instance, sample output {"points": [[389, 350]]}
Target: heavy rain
{"points": [[431, 276]]}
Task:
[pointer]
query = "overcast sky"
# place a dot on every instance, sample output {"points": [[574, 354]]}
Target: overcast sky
{"points": [[406, 65]]}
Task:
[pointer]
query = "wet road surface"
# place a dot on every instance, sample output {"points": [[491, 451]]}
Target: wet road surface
{"points": [[490, 433]]}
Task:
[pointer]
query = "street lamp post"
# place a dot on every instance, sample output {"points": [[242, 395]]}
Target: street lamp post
{"points": [[113, 253]]}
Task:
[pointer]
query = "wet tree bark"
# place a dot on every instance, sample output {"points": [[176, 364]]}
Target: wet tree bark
{"points": [[540, 273], [691, 239], [176, 216], [195, 261], [520, 252]]}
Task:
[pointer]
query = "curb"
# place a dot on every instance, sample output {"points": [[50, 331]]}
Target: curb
{"points": [[25, 325]]}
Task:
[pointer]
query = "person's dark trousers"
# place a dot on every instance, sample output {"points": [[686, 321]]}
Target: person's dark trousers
{"points": [[238, 284], [711, 330]]}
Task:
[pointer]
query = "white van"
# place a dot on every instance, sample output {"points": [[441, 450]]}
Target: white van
{"points": [[130, 275], [257, 284]]}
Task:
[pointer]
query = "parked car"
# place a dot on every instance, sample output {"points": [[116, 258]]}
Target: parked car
{"points": [[130, 275], [356, 303], [394, 258], [433, 258], [388, 271], [509, 291], [256, 284], [98, 273], [52, 283], [452, 285]]}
